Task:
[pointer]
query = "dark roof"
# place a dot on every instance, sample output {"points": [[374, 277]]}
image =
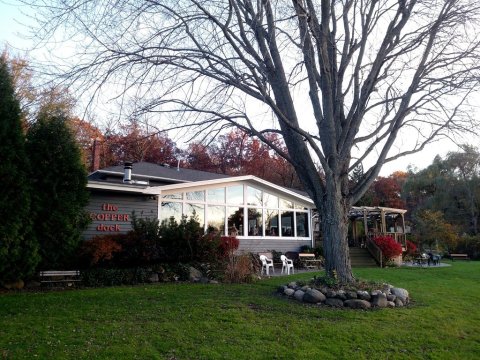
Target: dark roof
{"points": [[150, 171]]}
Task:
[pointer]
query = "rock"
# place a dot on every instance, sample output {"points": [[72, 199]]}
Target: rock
{"points": [[334, 302], [292, 285], [331, 293], [398, 302], [380, 300], [351, 295], [357, 304], [363, 295], [376, 292], [313, 296], [213, 282], [194, 275], [386, 288], [289, 292], [281, 289], [390, 304], [402, 294], [298, 295], [204, 280], [324, 290], [391, 297], [153, 278], [341, 294], [305, 288]]}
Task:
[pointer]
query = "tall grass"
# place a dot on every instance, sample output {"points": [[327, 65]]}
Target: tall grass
{"points": [[246, 321]]}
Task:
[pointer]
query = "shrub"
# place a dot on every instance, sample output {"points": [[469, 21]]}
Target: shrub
{"points": [[100, 250], [228, 245], [115, 277], [239, 268], [390, 248], [411, 248]]}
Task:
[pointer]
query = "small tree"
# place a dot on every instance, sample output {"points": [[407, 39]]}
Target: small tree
{"points": [[59, 182], [18, 247]]}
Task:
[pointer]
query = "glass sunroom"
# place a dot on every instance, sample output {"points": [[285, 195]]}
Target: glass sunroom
{"points": [[262, 215]]}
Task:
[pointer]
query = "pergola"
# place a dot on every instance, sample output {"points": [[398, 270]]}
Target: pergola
{"points": [[378, 221]]}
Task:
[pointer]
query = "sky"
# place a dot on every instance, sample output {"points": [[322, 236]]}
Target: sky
{"points": [[13, 23]]}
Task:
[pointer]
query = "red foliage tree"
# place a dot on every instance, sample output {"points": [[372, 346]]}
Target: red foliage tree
{"points": [[388, 193], [390, 248]]}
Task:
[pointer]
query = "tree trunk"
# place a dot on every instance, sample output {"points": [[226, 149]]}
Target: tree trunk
{"points": [[334, 217]]}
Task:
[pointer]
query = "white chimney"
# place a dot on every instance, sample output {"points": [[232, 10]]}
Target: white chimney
{"points": [[127, 176]]}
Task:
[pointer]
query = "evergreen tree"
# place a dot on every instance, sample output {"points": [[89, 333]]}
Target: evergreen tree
{"points": [[18, 247], [60, 194]]}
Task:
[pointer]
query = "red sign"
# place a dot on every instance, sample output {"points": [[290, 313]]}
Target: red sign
{"points": [[110, 213]]}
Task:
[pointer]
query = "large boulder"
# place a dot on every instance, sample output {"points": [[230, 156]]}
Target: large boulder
{"points": [[289, 292], [313, 296], [380, 300], [341, 294], [334, 302], [298, 295], [363, 295], [194, 275], [351, 295], [401, 294], [357, 304]]}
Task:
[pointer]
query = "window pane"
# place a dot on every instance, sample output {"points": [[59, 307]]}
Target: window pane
{"points": [[196, 195], [254, 196], [216, 218], [302, 224], [255, 222], [287, 223], [178, 196], [171, 209], [271, 223], [235, 194], [216, 195], [235, 221], [270, 201], [285, 204], [197, 210]]}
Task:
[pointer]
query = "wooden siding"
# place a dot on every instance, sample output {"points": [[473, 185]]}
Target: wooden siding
{"points": [[112, 212], [262, 245]]}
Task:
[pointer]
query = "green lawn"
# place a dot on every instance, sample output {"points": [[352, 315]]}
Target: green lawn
{"points": [[194, 321]]}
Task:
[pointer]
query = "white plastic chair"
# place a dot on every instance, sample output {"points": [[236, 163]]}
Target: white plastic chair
{"points": [[287, 264], [266, 264]]}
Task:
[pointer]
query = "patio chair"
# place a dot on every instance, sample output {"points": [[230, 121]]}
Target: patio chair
{"points": [[287, 264], [266, 264]]}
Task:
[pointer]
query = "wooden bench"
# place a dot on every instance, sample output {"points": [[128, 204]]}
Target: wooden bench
{"points": [[53, 276], [459, 257]]}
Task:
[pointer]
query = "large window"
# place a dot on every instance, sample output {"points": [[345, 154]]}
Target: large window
{"points": [[216, 195], [197, 211], [255, 222], [271, 223], [287, 223], [216, 218], [171, 209], [235, 221], [239, 210], [302, 224], [235, 195]]}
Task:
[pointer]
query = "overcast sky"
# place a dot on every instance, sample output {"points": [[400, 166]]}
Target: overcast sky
{"points": [[12, 25]]}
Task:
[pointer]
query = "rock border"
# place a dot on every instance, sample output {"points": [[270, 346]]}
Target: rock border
{"points": [[387, 296]]}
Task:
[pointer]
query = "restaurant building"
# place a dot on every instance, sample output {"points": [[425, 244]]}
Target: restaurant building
{"points": [[262, 215]]}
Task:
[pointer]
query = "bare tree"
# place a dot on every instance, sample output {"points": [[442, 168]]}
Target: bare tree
{"points": [[340, 81]]}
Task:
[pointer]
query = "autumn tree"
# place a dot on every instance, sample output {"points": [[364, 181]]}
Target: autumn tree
{"points": [[338, 81], [135, 143]]}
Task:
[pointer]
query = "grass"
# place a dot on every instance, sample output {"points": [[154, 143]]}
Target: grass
{"points": [[194, 321]]}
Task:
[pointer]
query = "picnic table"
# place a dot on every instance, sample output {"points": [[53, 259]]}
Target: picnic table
{"points": [[309, 261]]}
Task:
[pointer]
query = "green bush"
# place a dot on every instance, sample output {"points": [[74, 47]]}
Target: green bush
{"points": [[115, 277]]}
